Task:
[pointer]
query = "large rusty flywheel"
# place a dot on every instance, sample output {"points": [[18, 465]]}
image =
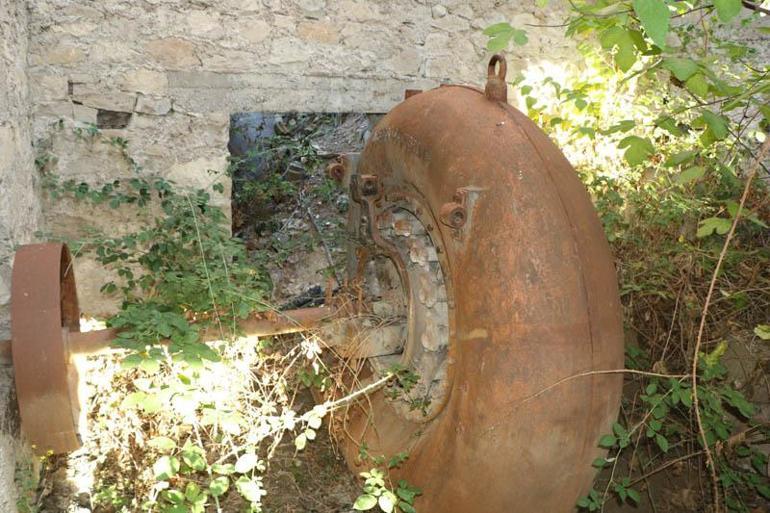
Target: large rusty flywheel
{"points": [[474, 229], [479, 266]]}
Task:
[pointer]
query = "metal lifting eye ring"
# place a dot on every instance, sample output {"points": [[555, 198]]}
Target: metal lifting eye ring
{"points": [[496, 60]]}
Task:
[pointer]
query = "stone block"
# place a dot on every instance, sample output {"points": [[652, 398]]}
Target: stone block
{"points": [[96, 98], [406, 62], [452, 24], [254, 30], [438, 11], [153, 105], [464, 11], [359, 10], [288, 51], [77, 29], [240, 6], [204, 173], [47, 87], [312, 8], [173, 52], [204, 23], [436, 43], [56, 109], [113, 53], [237, 61], [145, 81], [319, 32], [84, 114], [59, 54]]}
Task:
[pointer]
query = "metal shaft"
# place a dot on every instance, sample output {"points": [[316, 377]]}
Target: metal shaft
{"points": [[288, 321]]}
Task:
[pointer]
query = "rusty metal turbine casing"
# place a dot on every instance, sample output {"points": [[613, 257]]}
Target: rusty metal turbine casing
{"points": [[534, 300]]}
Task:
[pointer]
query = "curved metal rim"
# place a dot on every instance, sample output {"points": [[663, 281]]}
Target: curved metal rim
{"points": [[44, 307]]}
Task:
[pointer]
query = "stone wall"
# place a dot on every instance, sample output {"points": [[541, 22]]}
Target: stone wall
{"points": [[166, 75], [19, 211]]}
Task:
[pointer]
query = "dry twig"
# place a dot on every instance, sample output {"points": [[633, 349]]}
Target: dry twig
{"points": [[704, 315]]}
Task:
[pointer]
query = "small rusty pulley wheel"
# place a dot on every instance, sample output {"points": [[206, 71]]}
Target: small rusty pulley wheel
{"points": [[475, 203], [46, 338], [44, 309]]}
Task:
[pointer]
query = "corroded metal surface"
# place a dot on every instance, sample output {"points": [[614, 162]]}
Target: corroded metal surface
{"points": [[532, 299], [44, 307]]}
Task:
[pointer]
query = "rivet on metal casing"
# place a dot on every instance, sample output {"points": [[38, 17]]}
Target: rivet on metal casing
{"points": [[453, 214]]}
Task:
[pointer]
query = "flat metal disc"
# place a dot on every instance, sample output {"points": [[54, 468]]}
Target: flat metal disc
{"points": [[44, 307]]}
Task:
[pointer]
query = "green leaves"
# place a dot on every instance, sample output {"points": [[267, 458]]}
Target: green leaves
{"points": [[501, 34], [728, 9], [680, 158], [654, 17], [194, 457], [624, 491], [376, 493], [716, 127], [626, 43], [219, 486], [687, 71], [712, 225], [246, 463], [386, 502], [762, 331], [623, 437], [607, 441], [162, 444], [681, 68], [716, 123], [224, 470], [690, 174], [250, 489], [697, 85], [712, 359], [165, 468], [591, 502], [637, 149], [365, 502], [738, 401]]}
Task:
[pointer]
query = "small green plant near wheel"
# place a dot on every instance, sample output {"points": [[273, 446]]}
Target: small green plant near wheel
{"points": [[378, 491], [378, 494]]}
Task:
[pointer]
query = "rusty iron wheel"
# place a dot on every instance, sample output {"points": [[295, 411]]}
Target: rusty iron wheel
{"points": [[531, 299], [44, 309]]}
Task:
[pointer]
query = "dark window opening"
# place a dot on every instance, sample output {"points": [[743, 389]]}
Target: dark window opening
{"points": [[112, 119], [289, 213]]}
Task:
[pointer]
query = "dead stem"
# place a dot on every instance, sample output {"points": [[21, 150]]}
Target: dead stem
{"points": [[701, 328]]}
